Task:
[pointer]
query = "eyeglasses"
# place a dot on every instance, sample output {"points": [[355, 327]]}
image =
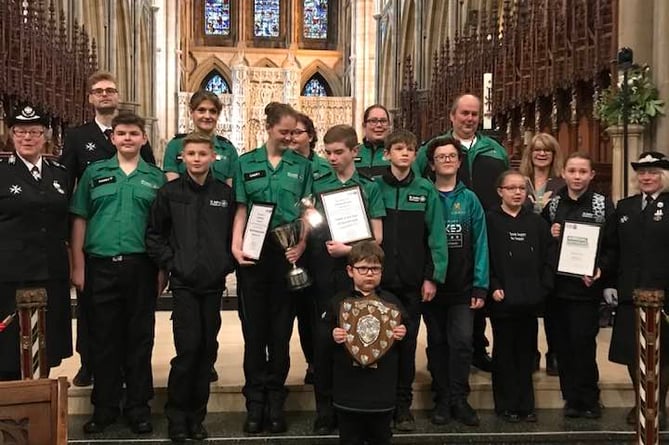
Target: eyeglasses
{"points": [[375, 121], [444, 158], [364, 270], [297, 132], [24, 133], [101, 91], [542, 150], [513, 188]]}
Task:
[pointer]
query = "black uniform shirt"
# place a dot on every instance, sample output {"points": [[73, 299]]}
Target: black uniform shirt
{"points": [[33, 222], [86, 144]]}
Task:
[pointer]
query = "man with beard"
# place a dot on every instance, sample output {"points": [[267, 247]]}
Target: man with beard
{"points": [[84, 145]]}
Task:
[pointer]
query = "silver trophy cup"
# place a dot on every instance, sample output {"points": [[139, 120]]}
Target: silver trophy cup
{"points": [[288, 235]]}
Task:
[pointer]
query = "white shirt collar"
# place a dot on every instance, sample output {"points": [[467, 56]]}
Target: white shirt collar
{"points": [[30, 165], [102, 126]]}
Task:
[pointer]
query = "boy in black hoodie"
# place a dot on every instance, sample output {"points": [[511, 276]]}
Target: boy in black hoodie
{"points": [[189, 236], [521, 275], [364, 396]]}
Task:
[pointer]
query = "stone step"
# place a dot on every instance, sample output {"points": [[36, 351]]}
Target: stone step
{"points": [[300, 398], [551, 428]]}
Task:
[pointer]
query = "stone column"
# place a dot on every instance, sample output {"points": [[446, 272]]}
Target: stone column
{"points": [[634, 149], [363, 59], [660, 70], [635, 19]]}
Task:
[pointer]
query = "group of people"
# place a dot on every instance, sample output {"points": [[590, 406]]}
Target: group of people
{"points": [[455, 237]]}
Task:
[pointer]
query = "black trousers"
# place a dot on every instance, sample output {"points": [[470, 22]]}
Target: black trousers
{"points": [[267, 311], [330, 277], [304, 308], [576, 328], [548, 328], [411, 300], [513, 359], [449, 349], [196, 319], [83, 332], [360, 428], [121, 293]]}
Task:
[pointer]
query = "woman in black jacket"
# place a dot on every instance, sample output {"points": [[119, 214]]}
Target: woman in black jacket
{"points": [[521, 275]]}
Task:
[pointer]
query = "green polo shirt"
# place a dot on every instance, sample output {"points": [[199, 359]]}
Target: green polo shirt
{"points": [[328, 181], [319, 165], [371, 160], [226, 157], [284, 185], [116, 206]]}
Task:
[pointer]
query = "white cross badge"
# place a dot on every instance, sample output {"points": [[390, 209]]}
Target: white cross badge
{"points": [[90, 146], [58, 188], [15, 189]]}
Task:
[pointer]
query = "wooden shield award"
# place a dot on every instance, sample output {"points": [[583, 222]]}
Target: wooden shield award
{"points": [[369, 324]]}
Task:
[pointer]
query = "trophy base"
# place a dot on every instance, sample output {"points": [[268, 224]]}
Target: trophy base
{"points": [[298, 279]]}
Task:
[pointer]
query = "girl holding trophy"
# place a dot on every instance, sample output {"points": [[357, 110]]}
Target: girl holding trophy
{"points": [[269, 181]]}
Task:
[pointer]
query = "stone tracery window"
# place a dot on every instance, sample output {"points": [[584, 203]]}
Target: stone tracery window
{"points": [[216, 83], [316, 86]]}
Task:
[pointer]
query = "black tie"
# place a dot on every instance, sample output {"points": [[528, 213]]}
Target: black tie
{"points": [[108, 133], [648, 200], [35, 173]]}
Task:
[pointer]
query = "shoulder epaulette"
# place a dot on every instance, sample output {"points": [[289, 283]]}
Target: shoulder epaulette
{"points": [[55, 164], [180, 135], [364, 176], [318, 175], [246, 153]]}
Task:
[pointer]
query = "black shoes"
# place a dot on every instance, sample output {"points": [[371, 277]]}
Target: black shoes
{"points": [[482, 361], [552, 365], [404, 420], [254, 420], [177, 432], [325, 424], [441, 414], [510, 416], [84, 377], [140, 426], [97, 425], [573, 412], [465, 414], [277, 424], [213, 376], [197, 431]]}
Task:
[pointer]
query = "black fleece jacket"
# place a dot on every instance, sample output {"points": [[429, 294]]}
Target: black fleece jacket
{"points": [[190, 231]]}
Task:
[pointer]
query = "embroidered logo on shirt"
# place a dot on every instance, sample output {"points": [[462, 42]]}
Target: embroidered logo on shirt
{"points": [[102, 181], [148, 184], [624, 219], [416, 198], [11, 160], [90, 146], [218, 203], [15, 189], [250, 176], [293, 175]]}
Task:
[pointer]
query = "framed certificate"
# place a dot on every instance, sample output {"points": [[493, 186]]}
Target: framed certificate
{"points": [[579, 246], [346, 215], [255, 232]]}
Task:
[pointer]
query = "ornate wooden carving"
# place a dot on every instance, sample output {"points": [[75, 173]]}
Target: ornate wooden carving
{"points": [[42, 64], [548, 58]]}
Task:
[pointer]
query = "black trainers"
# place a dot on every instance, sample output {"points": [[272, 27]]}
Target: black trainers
{"points": [[465, 414], [404, 420], [571, 411], [325, 424], [441, 414], [510, 416], [197, 431], [254, 420], [84, 377], [177, 432], [594, 412]]}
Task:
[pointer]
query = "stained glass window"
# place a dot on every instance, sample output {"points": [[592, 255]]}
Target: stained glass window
{"points": [[216, 84], [217, 17], [266, 18], [315, 86], [315, 19]]}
